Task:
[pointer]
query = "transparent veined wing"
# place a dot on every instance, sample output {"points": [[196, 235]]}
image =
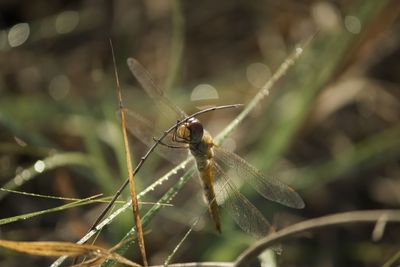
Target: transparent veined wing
{"points": [[154, 92], [269, 187], [142, 128], [245, 214]]}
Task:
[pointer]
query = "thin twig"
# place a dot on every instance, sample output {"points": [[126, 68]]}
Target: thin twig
{"points": [[135, 206], [330, 220]]}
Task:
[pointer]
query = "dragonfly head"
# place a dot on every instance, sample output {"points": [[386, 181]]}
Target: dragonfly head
{"points": [[191, 131]]}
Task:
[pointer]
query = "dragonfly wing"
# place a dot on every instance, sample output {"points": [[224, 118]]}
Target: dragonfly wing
{"points": [[143, 130], [147, 82], [269, 187], [245, 214]]}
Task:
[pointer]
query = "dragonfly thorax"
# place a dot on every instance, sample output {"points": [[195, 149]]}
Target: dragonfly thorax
{"points": [[191, 131]]}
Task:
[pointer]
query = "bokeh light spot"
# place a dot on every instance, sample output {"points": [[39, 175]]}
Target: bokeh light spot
{"points": [[59, 87], [326, 15], [18, 34], [67, 21], [258, 74], [39, 166], [204, 92], [352, 24]]}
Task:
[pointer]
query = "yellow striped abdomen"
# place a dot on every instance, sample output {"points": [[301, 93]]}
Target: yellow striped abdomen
{"points": [[203, 153], [207, 178]]}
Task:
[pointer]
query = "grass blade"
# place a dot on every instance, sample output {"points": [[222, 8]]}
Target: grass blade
{"points": [[46, 164], [74, 204], [134, 201]]}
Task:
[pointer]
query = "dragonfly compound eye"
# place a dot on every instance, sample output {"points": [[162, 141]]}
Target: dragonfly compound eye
{"points": [[196, 131]]}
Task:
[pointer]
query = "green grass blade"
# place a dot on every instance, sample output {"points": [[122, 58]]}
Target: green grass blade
{"points": [[74, 204], [46, 164]]}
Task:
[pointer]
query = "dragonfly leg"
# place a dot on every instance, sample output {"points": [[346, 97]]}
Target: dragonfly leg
{"points": [[167, 145], [179, 139]]}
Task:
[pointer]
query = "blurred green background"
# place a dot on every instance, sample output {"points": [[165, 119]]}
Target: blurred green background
{"points": [[330, 127]]}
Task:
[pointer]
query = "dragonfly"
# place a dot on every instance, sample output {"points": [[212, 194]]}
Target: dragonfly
{"points": [[216, 167]]}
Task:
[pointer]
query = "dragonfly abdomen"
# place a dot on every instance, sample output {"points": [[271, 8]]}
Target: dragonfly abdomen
{"points": [[207, 180], [203, 153]]}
